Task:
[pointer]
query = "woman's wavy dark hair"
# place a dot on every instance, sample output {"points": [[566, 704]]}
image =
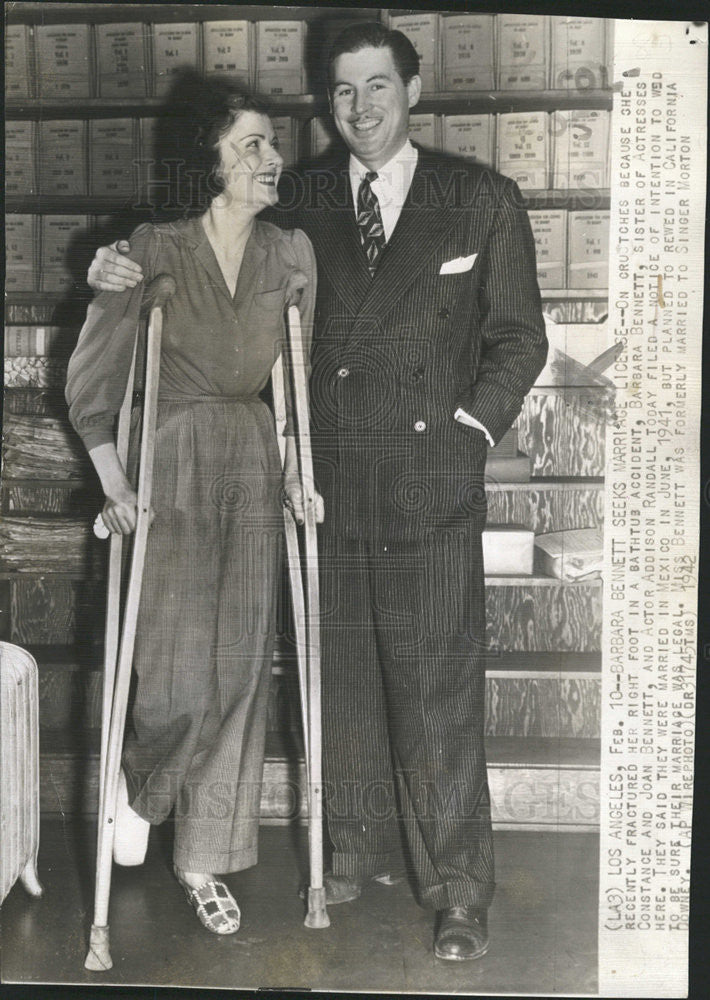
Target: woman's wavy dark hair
{"points": [[198, 113]]}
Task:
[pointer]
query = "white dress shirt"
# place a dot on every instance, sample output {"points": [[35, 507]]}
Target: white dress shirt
{"points": [[391, 187]]}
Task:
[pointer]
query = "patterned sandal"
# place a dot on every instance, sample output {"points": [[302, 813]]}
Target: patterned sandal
{"points": [[215, 906]]}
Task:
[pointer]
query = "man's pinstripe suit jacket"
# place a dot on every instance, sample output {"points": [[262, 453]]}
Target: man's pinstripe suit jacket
{"points": [[394, 356]]}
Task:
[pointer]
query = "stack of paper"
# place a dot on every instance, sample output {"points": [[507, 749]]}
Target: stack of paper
{"points": [[508, 550]]}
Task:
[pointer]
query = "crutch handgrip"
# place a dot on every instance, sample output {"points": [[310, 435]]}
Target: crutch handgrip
{"points": [[100, 529], [157, 293], [295, 284]]}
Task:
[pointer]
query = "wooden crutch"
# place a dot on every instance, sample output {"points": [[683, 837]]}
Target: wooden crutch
{"points": [[119, 654], [305, 608]]}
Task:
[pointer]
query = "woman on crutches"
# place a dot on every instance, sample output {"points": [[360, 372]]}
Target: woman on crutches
{"points": [[206, 621]]}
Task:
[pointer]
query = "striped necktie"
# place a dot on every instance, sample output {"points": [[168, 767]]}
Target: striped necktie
{"points": [[369, 220]]}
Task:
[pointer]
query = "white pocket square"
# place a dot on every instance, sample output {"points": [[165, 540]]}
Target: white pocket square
{"points": [[458, 265]]}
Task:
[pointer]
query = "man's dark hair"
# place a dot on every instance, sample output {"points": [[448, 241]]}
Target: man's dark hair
{"points": [[373, 34]]}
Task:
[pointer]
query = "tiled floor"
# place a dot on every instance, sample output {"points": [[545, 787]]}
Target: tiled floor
{"points": [[543, 924]]}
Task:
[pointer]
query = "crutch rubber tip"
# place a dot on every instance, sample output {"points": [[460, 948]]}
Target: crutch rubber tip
{"points": [[317, 916], [98, 958]]}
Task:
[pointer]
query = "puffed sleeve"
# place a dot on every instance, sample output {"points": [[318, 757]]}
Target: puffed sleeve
{"points": [[305, 261], [98, 369]]}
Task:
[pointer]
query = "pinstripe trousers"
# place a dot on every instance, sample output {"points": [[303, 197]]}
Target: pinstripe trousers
{"points": [[403, 628]]}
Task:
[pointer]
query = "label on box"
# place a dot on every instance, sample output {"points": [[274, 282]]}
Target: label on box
{"points": [[112, 150], [20, 272], [62, 158], [19, 158], [17, 61], [121, 60], [422, 30], [63, 61], [549, 228], [58, 234], [588, 250], [523, 42], [225, 49], [470, 136], [279, 54], [468, 52], [523, 148], [174, 49], [578, 58], [581, 148], [423, 130]]}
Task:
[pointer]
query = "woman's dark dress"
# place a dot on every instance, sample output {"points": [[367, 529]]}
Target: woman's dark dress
{"points": [[207, 616]]}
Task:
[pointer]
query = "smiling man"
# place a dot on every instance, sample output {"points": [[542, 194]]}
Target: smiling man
{"points": [[428, 335]]}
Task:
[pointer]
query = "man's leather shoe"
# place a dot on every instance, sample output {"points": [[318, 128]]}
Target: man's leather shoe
{"points": [[341, 888], [345, 888], [338, 889], [462, 933]]}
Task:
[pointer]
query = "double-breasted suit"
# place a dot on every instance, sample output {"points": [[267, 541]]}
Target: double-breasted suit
{"points": [[450, 319]]}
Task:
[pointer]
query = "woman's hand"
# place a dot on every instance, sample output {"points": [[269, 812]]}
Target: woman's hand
{"points": [[120, 512], [112, 271], [293, 494]]}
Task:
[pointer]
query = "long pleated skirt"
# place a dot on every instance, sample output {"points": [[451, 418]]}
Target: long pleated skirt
{"points": [[206, 629]]}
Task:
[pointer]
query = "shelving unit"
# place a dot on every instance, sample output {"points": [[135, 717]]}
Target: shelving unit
{"points": [[543, 668]]}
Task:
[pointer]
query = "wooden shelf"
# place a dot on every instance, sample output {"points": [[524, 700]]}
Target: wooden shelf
{"points": [[573, 199], [46, 298], [502, 101], [170, 13], [500, 663], [307, 105], [538, 581], [539, 483], [20, 575], [574, 293], [79, 204], [503, 663], [46, 484], [297, 105]]}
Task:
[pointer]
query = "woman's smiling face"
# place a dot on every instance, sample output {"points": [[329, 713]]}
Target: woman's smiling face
{"points": [[250, 162]]}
